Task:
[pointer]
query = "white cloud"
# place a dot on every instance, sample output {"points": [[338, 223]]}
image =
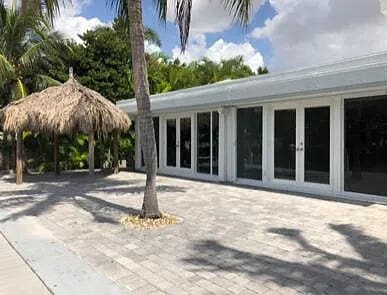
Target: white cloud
{"points": [[308, 32], [220, 50], [151, 47], [210, 16], [72, 24]]}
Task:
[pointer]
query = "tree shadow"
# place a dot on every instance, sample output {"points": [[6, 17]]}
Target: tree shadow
{"points": [[78, 190], [316, 275]]}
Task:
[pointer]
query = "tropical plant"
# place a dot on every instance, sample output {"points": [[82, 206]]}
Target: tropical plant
{"points": [[42, 8], [132, 10], [25, 43]]}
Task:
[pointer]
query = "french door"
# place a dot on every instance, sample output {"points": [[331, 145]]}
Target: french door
{"points": [[179, 152], [301, 144]]}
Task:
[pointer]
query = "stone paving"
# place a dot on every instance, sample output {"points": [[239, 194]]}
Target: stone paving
{"points": [[233, 240]]}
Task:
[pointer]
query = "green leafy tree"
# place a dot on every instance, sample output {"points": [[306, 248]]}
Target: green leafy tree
{"points": [[262, 70]]}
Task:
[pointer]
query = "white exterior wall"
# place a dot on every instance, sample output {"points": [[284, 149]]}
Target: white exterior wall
{"points": [[228, 151], [325, 85]]}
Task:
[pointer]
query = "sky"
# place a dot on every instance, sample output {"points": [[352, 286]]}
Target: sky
{"points": [[282, 34]]}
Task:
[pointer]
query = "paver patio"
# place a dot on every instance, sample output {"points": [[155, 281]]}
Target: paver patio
{"points": [[233, 240]]}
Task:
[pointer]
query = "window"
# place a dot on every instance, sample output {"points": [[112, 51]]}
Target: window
{"points": [[249, 143], [207, 142], [366, 145]]}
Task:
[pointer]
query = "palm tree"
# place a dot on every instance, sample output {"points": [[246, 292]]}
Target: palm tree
{"points": [[132, 10], [25, 42]]}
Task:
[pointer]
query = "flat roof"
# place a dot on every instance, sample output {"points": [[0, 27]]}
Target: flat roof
{"points": [[343, 76]]}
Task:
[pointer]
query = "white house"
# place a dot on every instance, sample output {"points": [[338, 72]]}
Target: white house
{"points": [[320, 130]]}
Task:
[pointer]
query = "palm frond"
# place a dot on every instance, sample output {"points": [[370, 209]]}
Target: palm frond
{"points": [[239, 9], [162, 9], [120, 7], [6, 68], [152, 36], [21, 89], [44, 81], [49, 8], [43, 43]]}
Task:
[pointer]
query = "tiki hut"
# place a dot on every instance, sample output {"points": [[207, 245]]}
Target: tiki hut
{"points": [[66, 109]]}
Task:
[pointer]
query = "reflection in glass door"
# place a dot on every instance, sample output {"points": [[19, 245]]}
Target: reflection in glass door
{"points": [[171, 142], [285, 144], [185, 142], [317, 145], [207, 144]]}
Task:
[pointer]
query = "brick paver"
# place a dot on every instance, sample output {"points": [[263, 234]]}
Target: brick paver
{"points": [[233, 240], [15, 276]]}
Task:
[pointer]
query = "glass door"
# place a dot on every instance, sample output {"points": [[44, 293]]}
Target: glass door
{"points": [[171, 142], [302, 144], [184, 143], [316, 153], [179, 142], [285, 144]]}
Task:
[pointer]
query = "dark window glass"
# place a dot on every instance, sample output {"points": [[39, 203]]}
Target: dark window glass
{"points": [[285, 144], [185, 142], [249, 143], [366, 145], [203, 143], [156, 128], [215, 142], [171, 142], [317, 145]]}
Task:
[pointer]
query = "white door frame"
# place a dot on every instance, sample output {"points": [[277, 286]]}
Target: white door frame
{"points": [[300, 107], [177, 118]]}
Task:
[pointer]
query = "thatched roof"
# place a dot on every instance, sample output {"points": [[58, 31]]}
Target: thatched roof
{"points": [[64, 109]]}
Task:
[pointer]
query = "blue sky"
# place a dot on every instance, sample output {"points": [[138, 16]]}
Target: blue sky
{"points": [[281, 34]]}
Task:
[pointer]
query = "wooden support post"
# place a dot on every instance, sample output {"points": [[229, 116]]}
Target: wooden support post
{"points": [[19, 157], [115, 152], [56, 154], [91, 152]]}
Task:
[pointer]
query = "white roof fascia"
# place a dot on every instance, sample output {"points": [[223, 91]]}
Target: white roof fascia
{"points": [[344, 76]]}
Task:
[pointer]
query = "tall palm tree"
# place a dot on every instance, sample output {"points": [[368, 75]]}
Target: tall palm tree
{"points": [[132, 10]]}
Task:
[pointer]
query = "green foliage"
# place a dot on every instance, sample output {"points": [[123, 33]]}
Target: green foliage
{"points": [[166, 75], [25, 42], [262, 70]]}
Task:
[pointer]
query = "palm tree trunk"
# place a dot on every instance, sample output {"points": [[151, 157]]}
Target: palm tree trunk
{"points": [[150, 207], [56, 154], [19, 158], [115, 152], [91, 152]]}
